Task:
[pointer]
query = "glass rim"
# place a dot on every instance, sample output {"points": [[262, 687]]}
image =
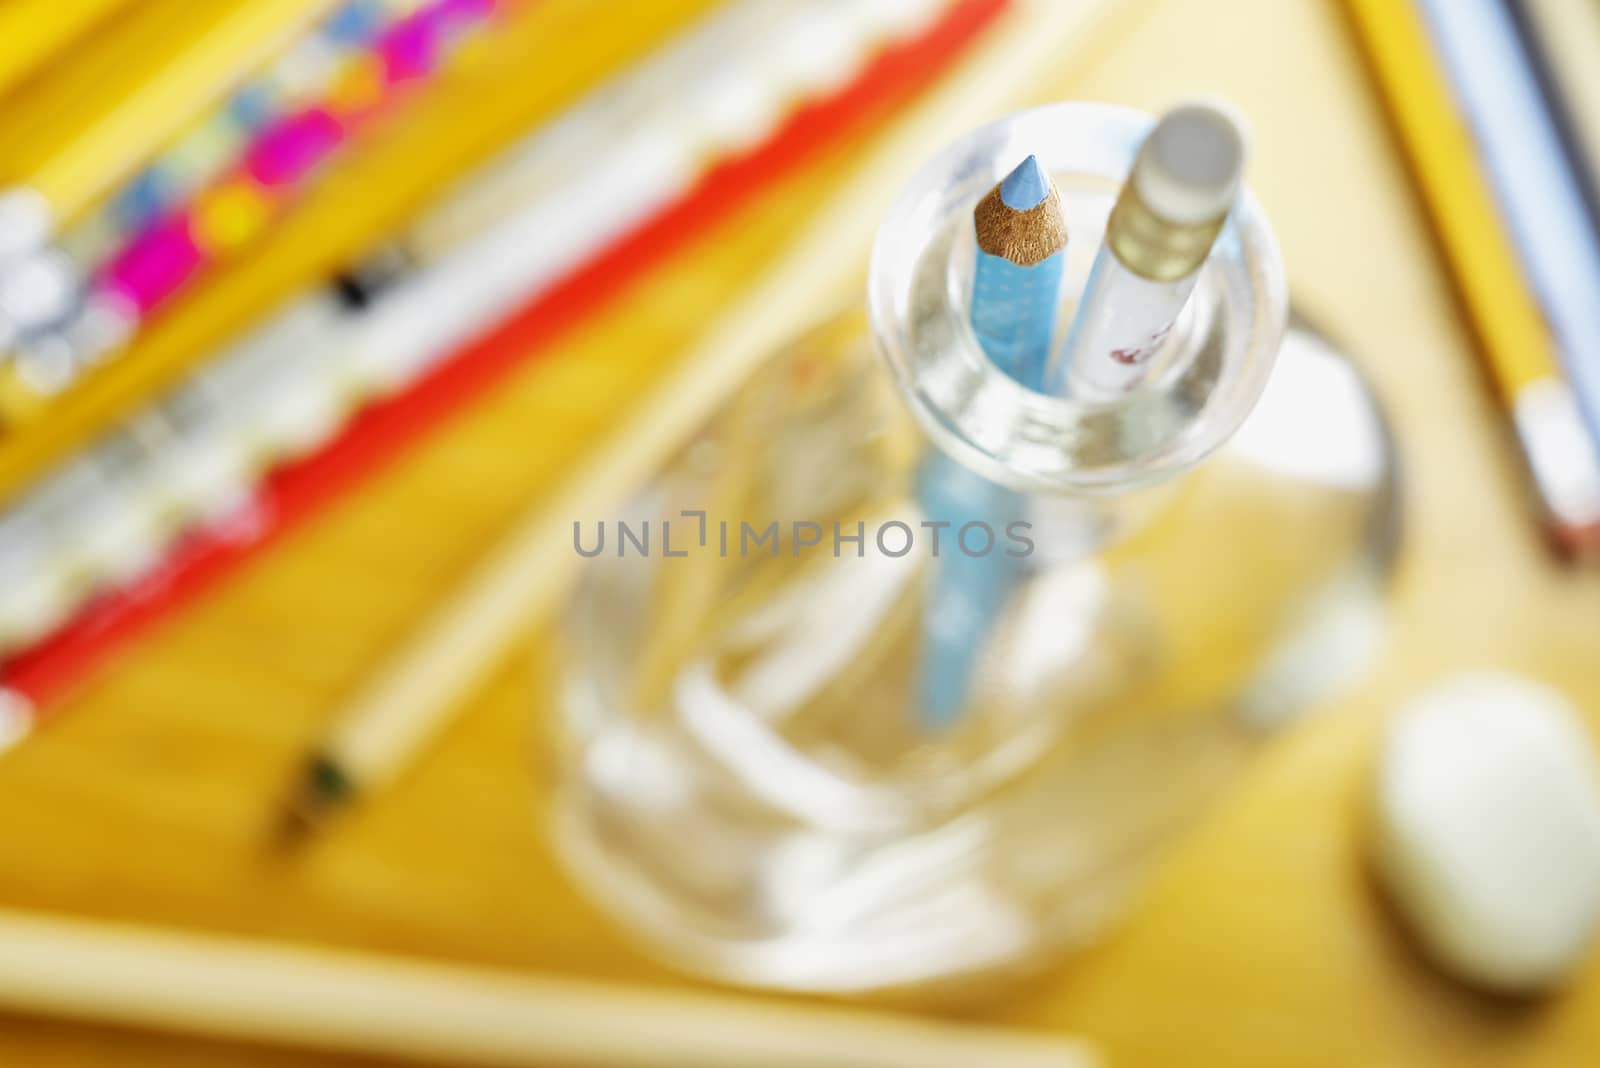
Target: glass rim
{"points": [[1026, 439]]}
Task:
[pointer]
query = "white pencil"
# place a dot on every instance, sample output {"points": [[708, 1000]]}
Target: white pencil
{"points": [[1168, 215]]}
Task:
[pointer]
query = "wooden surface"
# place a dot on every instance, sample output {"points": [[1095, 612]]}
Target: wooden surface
{"points": [[1260, 945]]}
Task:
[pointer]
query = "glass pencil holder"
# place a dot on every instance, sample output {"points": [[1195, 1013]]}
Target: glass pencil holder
{"points": [[899, 675]]}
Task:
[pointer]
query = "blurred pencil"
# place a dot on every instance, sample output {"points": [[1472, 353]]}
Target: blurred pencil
{"points": [[1564, 37], [1542, 199], [412, 698], [207, 196], [409, 341], [299, 75], [364, 196], [551, 155], [1513, 338], [233, 989], [71, 136]]}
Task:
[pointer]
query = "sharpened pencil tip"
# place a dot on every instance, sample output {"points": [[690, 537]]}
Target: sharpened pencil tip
{"points": [[322, 790], [1025, 186], [1020, 218], [292, 828]]}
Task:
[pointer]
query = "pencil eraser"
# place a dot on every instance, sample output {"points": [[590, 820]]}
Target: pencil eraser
{"points": [[1488, 830], [1188, 169]]}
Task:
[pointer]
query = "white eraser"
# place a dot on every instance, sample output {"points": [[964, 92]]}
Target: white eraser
{"points": [[1188, 169], [1488, 830]]}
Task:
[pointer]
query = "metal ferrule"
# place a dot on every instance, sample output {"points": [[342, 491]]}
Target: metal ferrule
{"points": [[1156, 248]]}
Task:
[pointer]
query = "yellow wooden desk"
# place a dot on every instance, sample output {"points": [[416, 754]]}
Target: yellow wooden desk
{"points": [[1261, 944]]}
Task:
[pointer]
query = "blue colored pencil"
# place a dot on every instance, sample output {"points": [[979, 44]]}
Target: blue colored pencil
{"points": [[1021, 242], [965, 592]]}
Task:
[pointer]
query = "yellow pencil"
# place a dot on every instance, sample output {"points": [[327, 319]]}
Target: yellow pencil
{"points": [[466, 115], [33, 32], [72, 135], [1512, 336], [300, 997]]}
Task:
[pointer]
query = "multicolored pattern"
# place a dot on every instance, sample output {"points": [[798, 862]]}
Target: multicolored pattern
{"points": [[237, 170], [301, 76], [265, 434], [235, 209]]}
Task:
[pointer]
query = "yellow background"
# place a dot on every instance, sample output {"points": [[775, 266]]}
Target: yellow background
{"points": [[1261, 944]]}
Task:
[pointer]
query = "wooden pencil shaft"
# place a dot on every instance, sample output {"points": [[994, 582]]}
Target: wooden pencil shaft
{"points": [[232, 988], [412, 698]]}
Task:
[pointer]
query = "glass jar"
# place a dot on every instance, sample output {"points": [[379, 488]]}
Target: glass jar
{"points": [[902, 680]]}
